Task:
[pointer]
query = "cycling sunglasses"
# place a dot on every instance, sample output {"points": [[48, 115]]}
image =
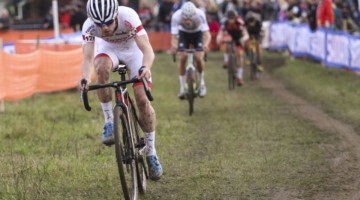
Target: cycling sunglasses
{"points": [[108, 23]]}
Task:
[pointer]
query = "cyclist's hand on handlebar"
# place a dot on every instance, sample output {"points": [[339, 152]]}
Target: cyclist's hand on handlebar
{"points": [[83, 84], [206, 49], [145, 73], [173, 50]]}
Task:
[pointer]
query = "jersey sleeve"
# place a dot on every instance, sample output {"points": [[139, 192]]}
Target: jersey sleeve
{"points": [[133, 22], [175, 22], [88, 32], [204, 25]]}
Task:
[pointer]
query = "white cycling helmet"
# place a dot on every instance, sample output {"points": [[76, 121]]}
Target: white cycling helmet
{"points": [[188, 10], [102, 11]]}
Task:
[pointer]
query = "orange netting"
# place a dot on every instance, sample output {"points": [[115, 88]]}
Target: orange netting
{"points": [[36, 69]]}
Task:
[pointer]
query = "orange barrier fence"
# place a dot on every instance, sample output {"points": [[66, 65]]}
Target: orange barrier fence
{"points": [[41, 71], [25, 47], [15, 35], [31, 71]]}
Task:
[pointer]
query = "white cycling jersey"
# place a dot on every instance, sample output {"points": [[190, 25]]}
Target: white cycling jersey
{"points": [[198, 23], [121, 45]]}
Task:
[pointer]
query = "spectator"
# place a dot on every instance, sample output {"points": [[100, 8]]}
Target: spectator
{"points": [[245, 8], [338, 15], [165, 14], [145, 15], [65, 16], [49, 20], [214, 28], [4, 20], [211, 10], [325, 14], [293, 12], [78, 17], [311, 14]]}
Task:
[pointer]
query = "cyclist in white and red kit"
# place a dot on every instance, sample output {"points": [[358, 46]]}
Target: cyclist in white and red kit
{"points": [[189, 27], [112, 34]]}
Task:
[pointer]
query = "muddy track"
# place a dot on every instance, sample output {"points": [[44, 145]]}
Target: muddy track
{"points": [[345, 164]]}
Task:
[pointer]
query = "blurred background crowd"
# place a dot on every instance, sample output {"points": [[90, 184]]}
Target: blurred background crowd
{"points": [[342, 15]]}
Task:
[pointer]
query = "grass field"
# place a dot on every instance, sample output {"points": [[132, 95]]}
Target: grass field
{"points": [[242, 144]]}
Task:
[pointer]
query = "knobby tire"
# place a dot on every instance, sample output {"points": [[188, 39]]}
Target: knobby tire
{"points": [[191, 89], [124, 150], [139, 141]]}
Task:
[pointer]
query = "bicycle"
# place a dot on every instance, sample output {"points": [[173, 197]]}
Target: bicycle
{"points": [[192, 79], [129, 138], [252, 56], [232, 63]]}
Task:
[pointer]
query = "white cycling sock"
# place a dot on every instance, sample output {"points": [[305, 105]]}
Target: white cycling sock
{"points": [[202, 80], [182, 83], [226, 57], [150, 144], [107, 110], [239, 72]]}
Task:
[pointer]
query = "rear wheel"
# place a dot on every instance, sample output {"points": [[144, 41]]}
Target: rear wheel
{"points": [[124, 151], [191, 89]]}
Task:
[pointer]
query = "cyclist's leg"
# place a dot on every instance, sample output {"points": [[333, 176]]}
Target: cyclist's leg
{"points": [[240, 67], [197, 42], [259, 54], [104, 61], [182, 76], [183, 44], [147, 116]]}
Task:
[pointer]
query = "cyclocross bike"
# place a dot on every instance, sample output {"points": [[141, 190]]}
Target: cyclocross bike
{"points": [[232, 63], [128, 136], [192, 78]]}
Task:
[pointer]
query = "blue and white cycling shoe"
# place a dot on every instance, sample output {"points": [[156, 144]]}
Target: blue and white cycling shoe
{"points": [[108, 134], [155, 168]]}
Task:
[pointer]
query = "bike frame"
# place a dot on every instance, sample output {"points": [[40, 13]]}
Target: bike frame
{"points": [[190, 66], [125, 148]]}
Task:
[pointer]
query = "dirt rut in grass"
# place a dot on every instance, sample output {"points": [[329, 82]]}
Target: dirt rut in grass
{"points": [[344, 183]]}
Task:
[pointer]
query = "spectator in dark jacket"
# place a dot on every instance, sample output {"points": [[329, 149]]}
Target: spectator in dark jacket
{"points": [[164, 18], [311, 14], [77, 18]]}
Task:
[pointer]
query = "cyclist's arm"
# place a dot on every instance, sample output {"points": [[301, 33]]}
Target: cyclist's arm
{"points": [[174, 42], [219, 37], [88, 61], [245, 36], [206, 40], [146, 48]]}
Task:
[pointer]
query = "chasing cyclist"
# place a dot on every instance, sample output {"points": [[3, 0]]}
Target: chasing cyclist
{"points": [[112, 33], [234, 27], [253, 22], [189, 27]]}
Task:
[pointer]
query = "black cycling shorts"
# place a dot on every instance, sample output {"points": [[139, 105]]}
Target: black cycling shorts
{"points": [[187, 39]]}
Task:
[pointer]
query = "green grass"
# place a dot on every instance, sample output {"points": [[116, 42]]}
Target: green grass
{"points": [[242, 144]]}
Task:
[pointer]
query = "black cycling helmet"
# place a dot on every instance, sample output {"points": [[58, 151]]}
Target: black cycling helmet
{"points": [[230, 14]]}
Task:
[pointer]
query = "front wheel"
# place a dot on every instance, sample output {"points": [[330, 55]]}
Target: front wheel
{"points": [[190, 79], [139, 142], [124, 151]]}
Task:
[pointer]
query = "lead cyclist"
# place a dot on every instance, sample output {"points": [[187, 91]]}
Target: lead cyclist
{"points": [[112, 33], [189, 27]]}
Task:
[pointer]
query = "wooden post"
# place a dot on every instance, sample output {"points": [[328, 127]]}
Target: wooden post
{"points": [[2, 102]]}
